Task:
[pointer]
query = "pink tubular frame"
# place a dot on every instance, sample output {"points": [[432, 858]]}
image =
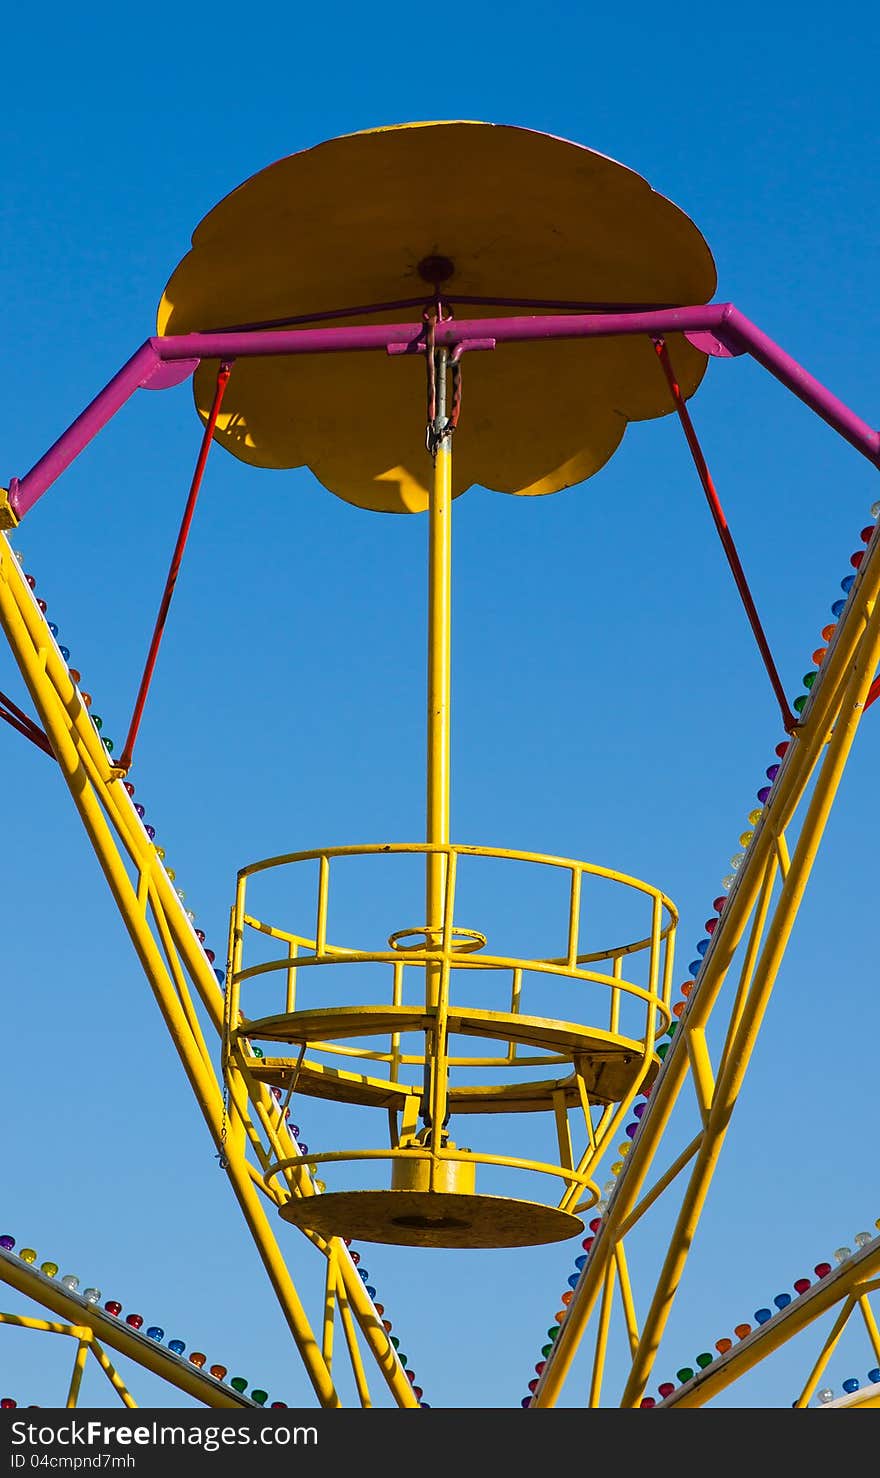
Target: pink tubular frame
{"points": [[161, 362]]}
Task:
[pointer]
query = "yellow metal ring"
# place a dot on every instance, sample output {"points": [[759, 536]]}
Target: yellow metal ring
{"points": [[464, 941]]}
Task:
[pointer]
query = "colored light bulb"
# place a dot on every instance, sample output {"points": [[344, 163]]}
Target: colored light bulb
{"points": [[742, 1330], [704, 1360], [647, 1402], [170, 873], [141, 810], [380, 1309], [545, 1350], [810, 678], [711, 924], [666, 1389], [819, 655], [863, 1238], [685, 990], [28, 1255], [566, 1298], [135, 1320], [395, 1341], [303, 1148], [847, 583], [200, 936], [801, 1285], [113, 1307], [364, 1274], [418, 1393], [151, 832], [278, 1405], [220, 977], [50, 1269], [65, 652], [176, 1346], [7, 1404], [874, 1375], [723, 1345], [42, 605], [800, 703], [218, 1372], [294, 1129], [822, 1269], [76, 675], [771, 772], [71, 1282], [402, 1358], [540, 1367], [851, 1384], [526, 1401], [355, 1257], [677, 1010], [7, 1242], [160, 853], [684, 1375], [867, 534], [825, 1395], [842, 1253], [662, 1049], [387, 1325], [702, 946], [728, 882], [92, 1295], [630, 1129], [764, 794], [180, 893], [260, 1397], [737, 860], [210, 955], [762, 1315], [856, 559], [828, 632], [574, 1280], [370, 1289], [31, 581], [623, 1149], [746, 838], [197, 1359], [782, 1300], [838, 608], [108, 745]]}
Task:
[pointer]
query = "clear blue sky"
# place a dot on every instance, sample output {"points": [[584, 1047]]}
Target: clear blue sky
{"points": [[609, 702]]}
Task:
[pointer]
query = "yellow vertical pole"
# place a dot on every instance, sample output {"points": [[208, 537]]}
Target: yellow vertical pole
{"points": [[438, 740], [79, 1365], [439, 662]]}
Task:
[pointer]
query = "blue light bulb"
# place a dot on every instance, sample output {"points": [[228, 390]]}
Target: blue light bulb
{"points": [[176, 1346]]}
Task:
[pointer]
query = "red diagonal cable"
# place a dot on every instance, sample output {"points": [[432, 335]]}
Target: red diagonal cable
{"points": [[24, 725], [176, 559], [788, 719]]}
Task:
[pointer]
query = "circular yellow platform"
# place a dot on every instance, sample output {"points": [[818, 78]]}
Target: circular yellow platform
{"points": [[429, 1219], [518, 215]]}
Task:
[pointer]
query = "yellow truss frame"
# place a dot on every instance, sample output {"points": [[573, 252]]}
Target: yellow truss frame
{"points": [[176, 968], [760, 916]]}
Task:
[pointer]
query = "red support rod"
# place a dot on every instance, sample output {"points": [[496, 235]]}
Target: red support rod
{"points": [[24, 725], [789, 721], [125, 758]]}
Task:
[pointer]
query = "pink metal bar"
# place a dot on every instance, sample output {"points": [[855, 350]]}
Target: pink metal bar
{"points": [[138, 371], [730, 326]]}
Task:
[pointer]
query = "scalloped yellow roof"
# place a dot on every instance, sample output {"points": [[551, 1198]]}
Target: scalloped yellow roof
{"points": [[522, 215]]}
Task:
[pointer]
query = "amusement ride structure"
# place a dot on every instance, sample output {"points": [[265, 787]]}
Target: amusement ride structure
{"points": [[401, 356]]}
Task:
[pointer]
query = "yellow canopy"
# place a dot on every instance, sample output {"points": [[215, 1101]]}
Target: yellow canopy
{"points": [[522, 215]]}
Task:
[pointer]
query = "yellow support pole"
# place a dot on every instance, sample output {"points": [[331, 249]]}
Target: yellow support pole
{"points": [[79, 1365], [438, 741]]}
